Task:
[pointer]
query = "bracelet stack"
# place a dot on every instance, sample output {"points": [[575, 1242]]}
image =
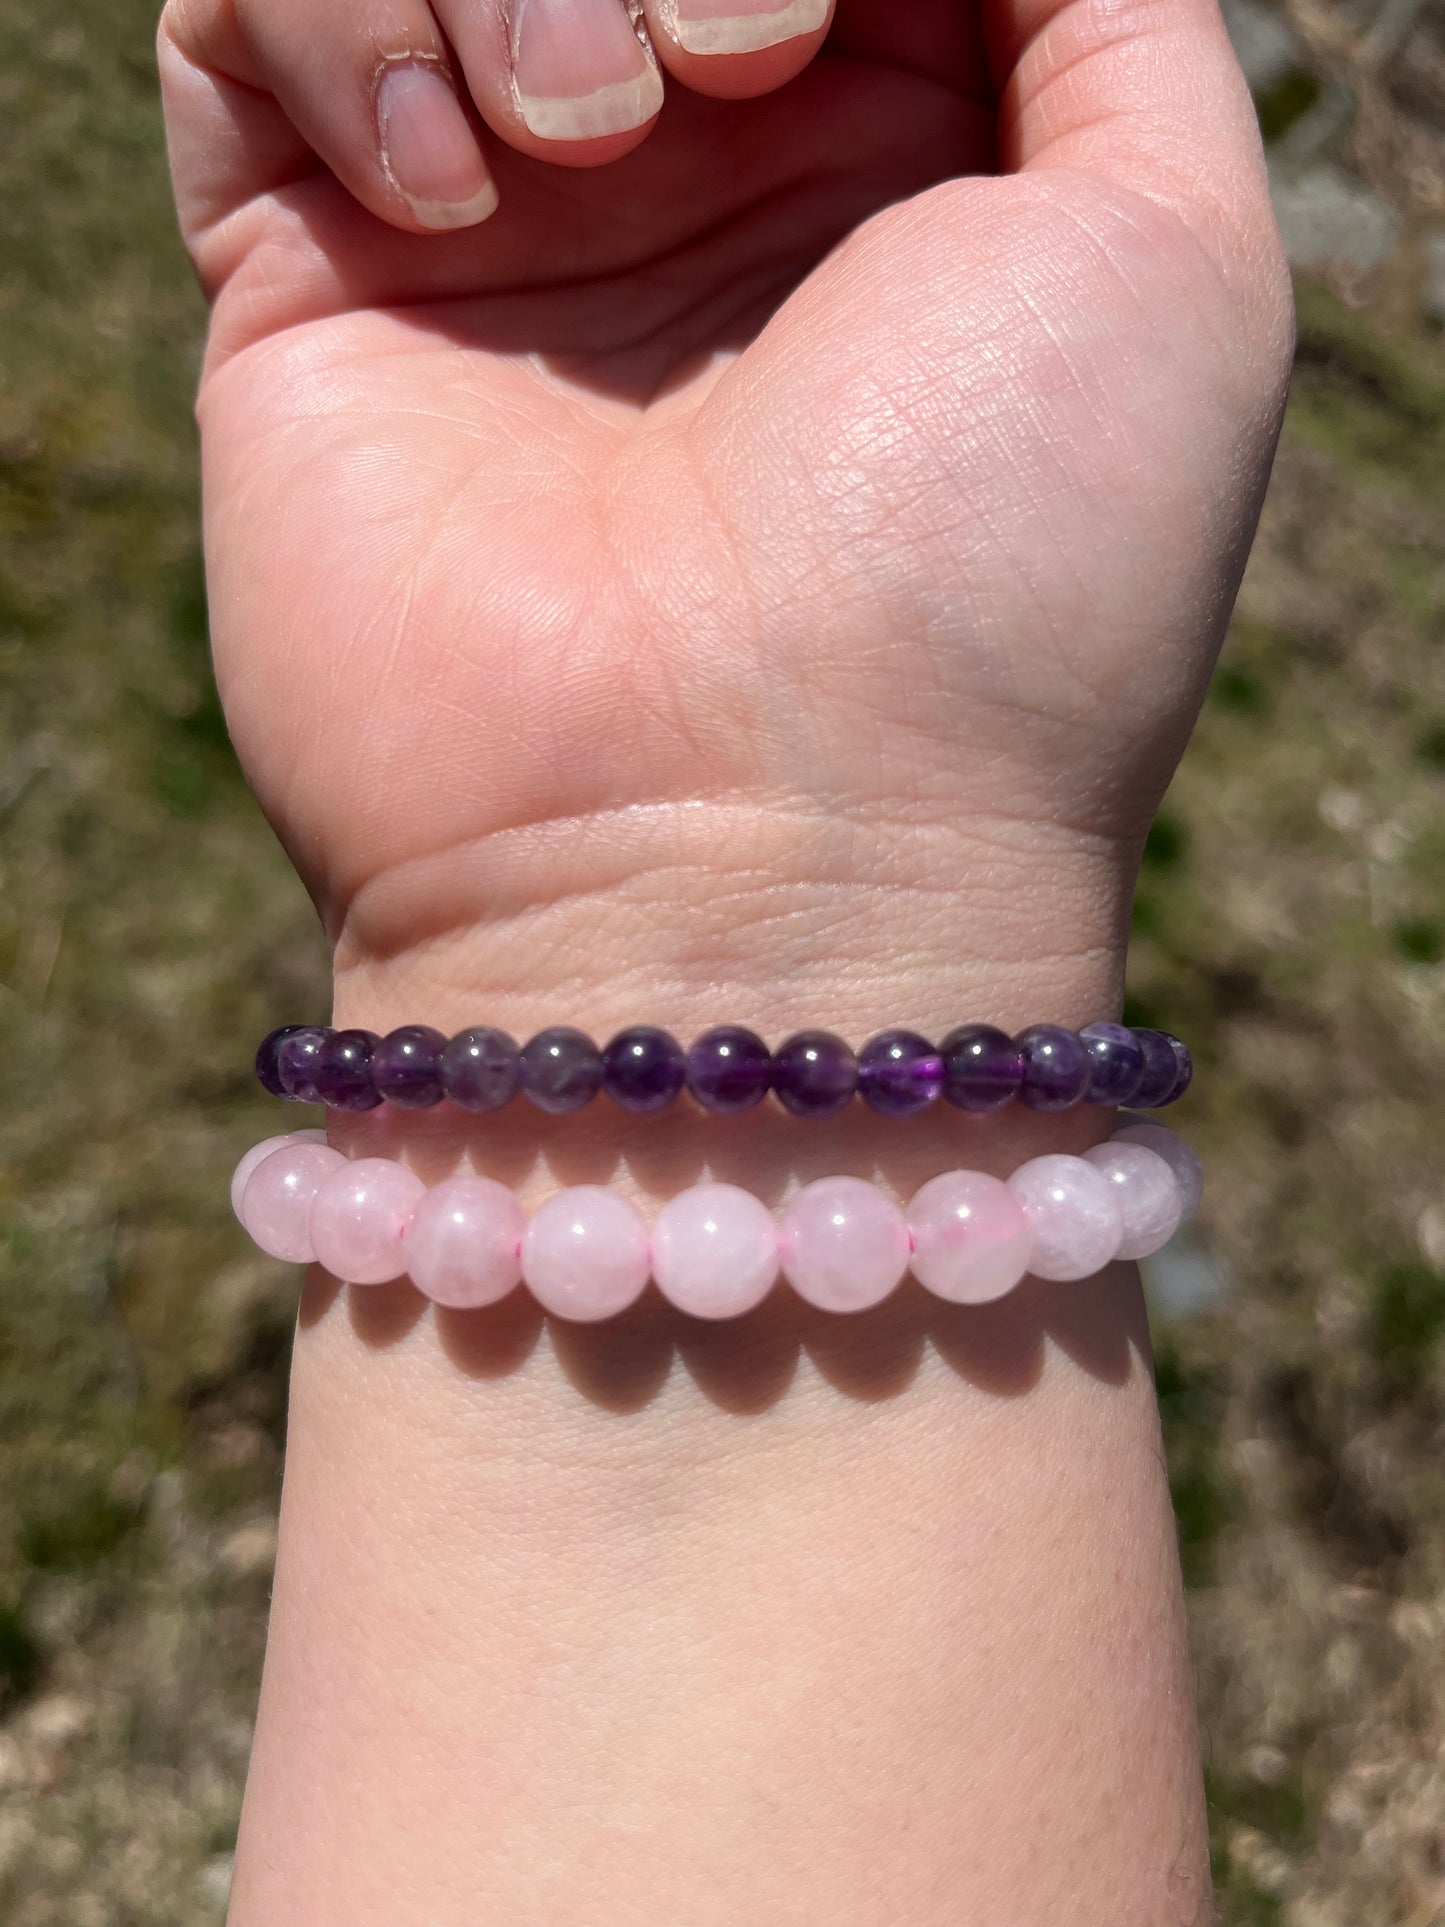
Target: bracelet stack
{"points": [[728, 1070], [716, 1251]]}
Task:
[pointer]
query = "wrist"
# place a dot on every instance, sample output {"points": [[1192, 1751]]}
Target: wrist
{"points": [[909, 1544], [822, 924]]}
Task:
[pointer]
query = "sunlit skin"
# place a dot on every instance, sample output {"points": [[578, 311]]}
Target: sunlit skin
{"points": [[786, 508], [765, 571]]}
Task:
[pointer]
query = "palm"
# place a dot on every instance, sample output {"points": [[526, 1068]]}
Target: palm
{"points": [[648, 493]]}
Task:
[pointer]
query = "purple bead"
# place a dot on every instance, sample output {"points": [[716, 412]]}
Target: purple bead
{"points": [[296, 1062], [729, 1070], [982, 1068], [561, 1070], [1185, 1068], [814, 1074], [267, 1065], [1116, 1063], [899, 1073], [343, 1071], [643, 1069], [406, 1067], [1161, 1070], [1056, 1068], [481, 1070]]}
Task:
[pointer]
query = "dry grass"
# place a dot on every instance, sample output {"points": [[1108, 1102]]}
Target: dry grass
{"points": [[1293, 911], [1291, 917]]}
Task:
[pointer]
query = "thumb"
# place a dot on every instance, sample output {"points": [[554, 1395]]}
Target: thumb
{"points": [[1145, 95]]}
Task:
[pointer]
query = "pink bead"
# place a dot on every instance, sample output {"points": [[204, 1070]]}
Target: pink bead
{"points": [[257, 1154], [971, 1239], [1147, 1193], [845, 1245], [359, 1218], [1075, 1220], [715, 1251], [585, 1255], [464, 1245], [1176, 1154], [276, 1203]]}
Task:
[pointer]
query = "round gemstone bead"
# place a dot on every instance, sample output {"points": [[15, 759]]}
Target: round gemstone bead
{"points": [[1116, 1063], [585, 1254], [276, 1204], [1147, 1193], [814, 1074], [268, 1069], [1186, 1067], [406, 1067], [982, 1068], [360, 1217], [844, 1244], [729, 1070], [343, 1071], [1161, 1070], [463, 1247], [899, 1073], [258, 1154], [561, 1070], [481, 1070], [296, 1060], [715, 1251], [1178, 1155], [971, 1238], [1056, 1068], [643, 1069], [1075, 1219]]}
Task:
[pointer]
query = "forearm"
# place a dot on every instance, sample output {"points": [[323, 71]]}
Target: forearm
{"points": [[800, 1618], [866, 1622]]}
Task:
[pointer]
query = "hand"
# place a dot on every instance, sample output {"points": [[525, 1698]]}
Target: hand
{"points": [[771, 575]]}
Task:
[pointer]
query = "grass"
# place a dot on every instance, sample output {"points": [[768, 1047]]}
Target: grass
{"points": [[1290, 912], [1289, 918]]}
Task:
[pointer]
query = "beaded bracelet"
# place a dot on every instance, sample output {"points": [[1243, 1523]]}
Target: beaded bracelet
{"points": [[728, 1070], [715, 1251]]}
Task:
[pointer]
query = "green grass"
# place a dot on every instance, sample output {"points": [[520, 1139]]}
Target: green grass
{"points": [[148, 929], [1192, 1405], [1406, 1325]]}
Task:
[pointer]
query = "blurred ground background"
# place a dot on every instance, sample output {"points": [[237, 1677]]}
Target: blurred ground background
{"points": [[1292, 920]]}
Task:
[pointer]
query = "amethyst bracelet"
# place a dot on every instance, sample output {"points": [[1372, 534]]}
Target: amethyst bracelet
{"points": [[728, 1070]]}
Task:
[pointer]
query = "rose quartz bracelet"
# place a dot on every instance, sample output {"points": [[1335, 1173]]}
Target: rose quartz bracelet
{"points": [[716, 1251]]}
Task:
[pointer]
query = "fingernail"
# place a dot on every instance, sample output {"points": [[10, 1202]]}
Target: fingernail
{"points": [[742, 26], [579, 70], [429, 150]]}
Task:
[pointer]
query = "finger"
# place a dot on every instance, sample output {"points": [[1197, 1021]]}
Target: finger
{"points": [[370, 90], [736, 49], [227, 138], [1145, 94], [573, 82]]}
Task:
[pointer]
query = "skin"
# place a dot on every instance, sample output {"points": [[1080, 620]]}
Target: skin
{"points": [[769, 576]]}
